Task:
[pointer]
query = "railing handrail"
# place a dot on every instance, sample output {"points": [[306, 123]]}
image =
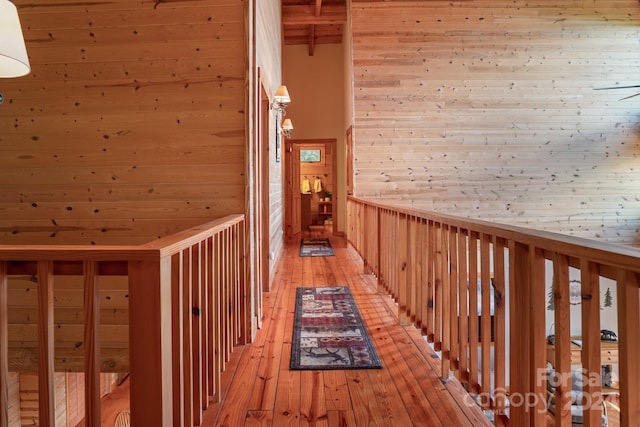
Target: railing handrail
{"points": [[164, 246], [188, 305], [612, 254], [429, 262]]}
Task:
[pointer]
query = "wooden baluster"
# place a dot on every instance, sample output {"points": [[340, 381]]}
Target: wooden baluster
{"points": [[562, 340], [421, 276], [177, 313], [196, 331], [376, 256], [452, 303], [217, 313], [445, 295], [430, 274], [414, 269], [401, 267], [500, 344], [485, 313], [211, 321], [590, 353], [91, 344], [454, 315], [205, 266], [628, 285], [46, 339], [243, 283], [187, 328], [463, 304], [474, 326], [227, 313], [437, 288], [4, 345]]}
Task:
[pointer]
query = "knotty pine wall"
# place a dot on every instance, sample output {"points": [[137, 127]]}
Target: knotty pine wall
{"points": [[131, 124], [487, 109]]}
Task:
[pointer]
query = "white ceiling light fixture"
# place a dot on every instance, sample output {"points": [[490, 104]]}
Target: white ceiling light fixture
{"points": [[14, 61]]}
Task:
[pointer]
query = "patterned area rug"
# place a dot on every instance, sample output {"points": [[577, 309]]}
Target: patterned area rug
{"points": [[329, 333], [316, 247]]}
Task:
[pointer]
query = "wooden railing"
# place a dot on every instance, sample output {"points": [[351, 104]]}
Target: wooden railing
{"points": [[189, 305], [493, 336]]}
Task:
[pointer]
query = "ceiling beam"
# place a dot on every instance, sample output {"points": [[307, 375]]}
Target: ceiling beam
{"points": [[312, 29], [318, 7], [330, 14], [312, 39]]}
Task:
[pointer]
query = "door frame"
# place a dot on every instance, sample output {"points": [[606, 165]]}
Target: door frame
{"points": [[294, 185]]}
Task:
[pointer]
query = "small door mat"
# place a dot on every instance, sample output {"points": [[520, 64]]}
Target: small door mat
{"points": [[316, 247], [328, 332]]}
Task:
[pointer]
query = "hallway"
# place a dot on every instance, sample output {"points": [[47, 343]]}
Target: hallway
{"points": [[407, 392]]}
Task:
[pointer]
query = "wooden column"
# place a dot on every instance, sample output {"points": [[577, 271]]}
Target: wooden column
{"points": [[46, 399], [150, 342], [4, 346], [537, 337], [591, 339], [91, 344], [520, 351]]}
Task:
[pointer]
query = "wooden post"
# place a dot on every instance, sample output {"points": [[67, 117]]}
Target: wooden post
{"points": [[537, 333], [401, 267], [520, 352], [562, 344], [499, 330], [485, 312], [591, 340], [46, 399], [474, 325], [177, 339], [91, 344], [4, 346], [454, 308], [150, 357]]}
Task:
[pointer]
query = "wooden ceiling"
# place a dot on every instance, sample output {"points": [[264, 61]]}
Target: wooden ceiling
{"points": [[313, 22]]}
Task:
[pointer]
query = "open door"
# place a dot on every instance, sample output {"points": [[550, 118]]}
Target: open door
{"points": [[310, 171]]}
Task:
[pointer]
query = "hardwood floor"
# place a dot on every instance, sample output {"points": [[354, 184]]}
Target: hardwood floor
{"points": [[262, 391], [407, 392]]}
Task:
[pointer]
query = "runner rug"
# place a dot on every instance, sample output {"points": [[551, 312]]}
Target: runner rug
{"points": [[329, 333], [316, 247]]}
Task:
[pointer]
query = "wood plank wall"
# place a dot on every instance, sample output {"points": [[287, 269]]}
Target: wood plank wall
{"points": [[268, 49], [131, 124], [487, 109], [69, 299]]}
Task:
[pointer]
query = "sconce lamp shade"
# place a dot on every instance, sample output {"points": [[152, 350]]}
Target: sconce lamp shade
{"points": [[282, 95], [287, 125], [14, 61]]}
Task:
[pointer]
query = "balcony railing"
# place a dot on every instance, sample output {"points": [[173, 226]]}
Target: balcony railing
{"points": [[188, 307], [489, 296]]}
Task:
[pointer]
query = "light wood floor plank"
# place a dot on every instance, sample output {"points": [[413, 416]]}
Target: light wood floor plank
{"points": [[259, 389]]}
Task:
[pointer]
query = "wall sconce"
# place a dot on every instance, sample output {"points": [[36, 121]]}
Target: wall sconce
{"points": [[14, 61], [280, 99], [287, 127]]}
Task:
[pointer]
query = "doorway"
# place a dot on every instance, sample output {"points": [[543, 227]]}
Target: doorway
{"points": [[310, 199]]}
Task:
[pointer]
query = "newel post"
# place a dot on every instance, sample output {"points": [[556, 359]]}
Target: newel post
{"points": [[150, 361]]}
